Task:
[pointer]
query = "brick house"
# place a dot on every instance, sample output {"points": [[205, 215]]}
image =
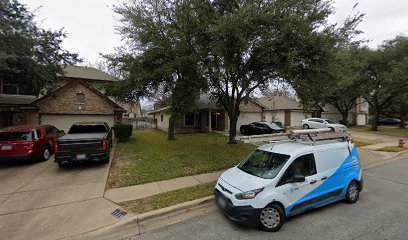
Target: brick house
{"points": [[208, 117], [77, 99]]}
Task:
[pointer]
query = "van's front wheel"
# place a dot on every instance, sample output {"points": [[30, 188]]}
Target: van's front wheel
{"points": [[271, 218]]}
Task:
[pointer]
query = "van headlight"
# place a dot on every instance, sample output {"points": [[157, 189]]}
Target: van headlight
{"points": [[248, 195]]}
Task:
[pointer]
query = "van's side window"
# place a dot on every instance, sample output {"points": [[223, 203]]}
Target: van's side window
{"points": [[304, 165]]}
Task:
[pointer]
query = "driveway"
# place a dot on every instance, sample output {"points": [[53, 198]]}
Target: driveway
{"points": [[42, 201], [381, 213]]}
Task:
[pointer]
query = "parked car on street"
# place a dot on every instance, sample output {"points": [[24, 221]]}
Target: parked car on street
{"points": [[386, 121], [323, 123], [85, 141], [28, 142], [256, 128], [288, 177]]}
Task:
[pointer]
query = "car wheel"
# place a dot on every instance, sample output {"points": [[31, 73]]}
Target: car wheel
{"points": [[353, 192], [243, 132], [271, 218], [305, 126], [332, 129], [46, 154]]}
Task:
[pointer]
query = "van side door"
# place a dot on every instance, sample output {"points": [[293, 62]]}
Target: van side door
{"points": [[332, 164], [300, 195]]}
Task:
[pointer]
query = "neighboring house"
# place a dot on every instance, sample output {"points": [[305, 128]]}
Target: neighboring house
{"points": [[286, 110], [208, 117], [357, 116], [77, 99]]}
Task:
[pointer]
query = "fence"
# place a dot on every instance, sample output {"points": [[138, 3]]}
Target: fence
{"points": [[141, 122]]}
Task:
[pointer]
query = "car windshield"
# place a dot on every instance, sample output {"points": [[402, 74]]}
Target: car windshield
{"points": [[12, 136], [330, 121], [263, 164], [87, 129]]}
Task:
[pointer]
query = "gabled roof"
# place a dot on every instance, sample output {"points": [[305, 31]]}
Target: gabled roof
{"points": [[115, 105], [280, 102], [16, 99], [159, 110], [86, 73]]}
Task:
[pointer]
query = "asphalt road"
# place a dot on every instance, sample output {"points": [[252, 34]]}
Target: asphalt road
{"points": [[381, 213]]}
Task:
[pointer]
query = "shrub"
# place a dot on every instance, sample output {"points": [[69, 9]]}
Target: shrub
{"points": [[123, 132]]}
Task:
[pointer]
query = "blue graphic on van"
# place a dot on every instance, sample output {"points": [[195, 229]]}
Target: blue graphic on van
{"points": [[333, 189]]}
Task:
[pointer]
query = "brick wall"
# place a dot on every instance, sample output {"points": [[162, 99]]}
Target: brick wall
{"points": [[64, 102]]}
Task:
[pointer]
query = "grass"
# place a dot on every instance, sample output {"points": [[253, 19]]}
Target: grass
{"points": [[163, 200], [386, 130], [359, 142], [150, 157], [392, 149]]}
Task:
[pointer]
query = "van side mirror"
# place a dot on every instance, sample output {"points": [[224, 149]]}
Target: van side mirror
{"points": [[298, 178]]}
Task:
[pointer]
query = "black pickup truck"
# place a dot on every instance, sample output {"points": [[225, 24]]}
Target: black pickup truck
{"points": [[85, 141]]}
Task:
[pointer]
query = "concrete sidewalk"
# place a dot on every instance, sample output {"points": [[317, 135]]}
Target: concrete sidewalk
{"points": [[149, 189]]}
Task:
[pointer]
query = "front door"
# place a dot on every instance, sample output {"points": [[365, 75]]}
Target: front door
{"points": [[5, 119], [213, 120], [287, 118], [303, 195]]}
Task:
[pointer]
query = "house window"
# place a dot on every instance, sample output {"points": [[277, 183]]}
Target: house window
{"points": [[80, 98], [161, 118], [10, 89], [189, 120]]}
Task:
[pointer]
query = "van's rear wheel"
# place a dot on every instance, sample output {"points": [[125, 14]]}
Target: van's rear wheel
{"points": [[271, 218], [353, 192]]}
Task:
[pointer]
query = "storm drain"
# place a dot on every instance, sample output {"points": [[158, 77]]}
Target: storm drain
{"points": [[118, 213]]}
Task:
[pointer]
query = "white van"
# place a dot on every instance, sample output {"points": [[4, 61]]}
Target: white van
{"points": [[285, 178]]}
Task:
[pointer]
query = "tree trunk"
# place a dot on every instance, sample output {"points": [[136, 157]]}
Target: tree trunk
{"points": [[171, 131], [344, 115], [232, 129], [402, 114], [374, 125]]}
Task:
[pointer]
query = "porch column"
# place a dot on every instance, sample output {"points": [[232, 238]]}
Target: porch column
{"points": [[209, 120]]}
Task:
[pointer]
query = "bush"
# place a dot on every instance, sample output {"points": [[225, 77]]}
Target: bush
{"points": [[123, 132]]}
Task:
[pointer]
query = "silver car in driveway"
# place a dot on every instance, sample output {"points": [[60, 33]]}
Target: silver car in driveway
{"points": [[323, 123]]}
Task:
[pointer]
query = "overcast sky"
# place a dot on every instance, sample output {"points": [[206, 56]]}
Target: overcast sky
{"points": [[90, 23]]}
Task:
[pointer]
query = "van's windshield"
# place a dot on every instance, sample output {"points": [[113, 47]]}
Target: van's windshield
{"points": [[263, 164]]}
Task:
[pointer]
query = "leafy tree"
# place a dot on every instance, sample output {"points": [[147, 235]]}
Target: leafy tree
{"points": [[386, 76], [160, 55], [30, 56], [346, 83], [250, 44]]}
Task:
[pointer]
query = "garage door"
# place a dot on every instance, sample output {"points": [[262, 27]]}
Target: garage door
{"points": [[247, 118], [64, 122]]}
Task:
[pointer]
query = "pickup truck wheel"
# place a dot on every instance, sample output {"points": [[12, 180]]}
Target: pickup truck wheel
{"points": [[61, 165]]}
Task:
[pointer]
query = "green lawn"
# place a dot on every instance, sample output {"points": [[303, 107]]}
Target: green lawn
{"points": [[359, 142], [150, 157], [386, 130], [392, 149], [163, 200]]}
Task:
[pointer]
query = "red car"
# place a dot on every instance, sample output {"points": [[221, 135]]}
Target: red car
{"points": [[28, 142]]}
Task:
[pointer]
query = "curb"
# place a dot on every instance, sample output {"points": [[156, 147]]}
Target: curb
{"points": [[174, 209], [151, 220]]}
